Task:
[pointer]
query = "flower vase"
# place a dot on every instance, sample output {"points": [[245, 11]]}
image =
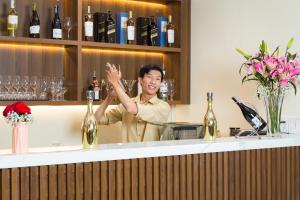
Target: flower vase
{"points": [[20, 138], [273, 100]]}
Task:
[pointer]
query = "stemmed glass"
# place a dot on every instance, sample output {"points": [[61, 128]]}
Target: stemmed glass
{"points": [[129, 84], [171, 84], [68, 25]]}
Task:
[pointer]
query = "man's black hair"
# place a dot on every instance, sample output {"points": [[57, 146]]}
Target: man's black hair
{"points": [[147, 68]]}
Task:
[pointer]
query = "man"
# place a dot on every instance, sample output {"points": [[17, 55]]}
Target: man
{"points": [[142, 117]]}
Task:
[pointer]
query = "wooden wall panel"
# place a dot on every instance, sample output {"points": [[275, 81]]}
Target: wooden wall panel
{"points": [[252, 174]]}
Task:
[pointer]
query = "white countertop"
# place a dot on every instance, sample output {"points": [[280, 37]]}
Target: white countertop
{"points": [[105, 152]]}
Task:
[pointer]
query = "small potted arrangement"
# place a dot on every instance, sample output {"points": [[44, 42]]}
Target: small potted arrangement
{"points": [[18, 115]]}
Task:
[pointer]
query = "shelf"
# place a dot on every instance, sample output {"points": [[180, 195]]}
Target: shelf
{"points": [[128, 47], [36, 41]]}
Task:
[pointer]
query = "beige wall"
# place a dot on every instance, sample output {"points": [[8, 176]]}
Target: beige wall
{"points": [[218, 27]]}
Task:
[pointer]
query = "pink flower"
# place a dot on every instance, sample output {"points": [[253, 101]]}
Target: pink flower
{"points": [[258, 67]]}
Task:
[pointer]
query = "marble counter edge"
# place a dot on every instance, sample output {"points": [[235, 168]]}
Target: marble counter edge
{"points": [[107, 152]]}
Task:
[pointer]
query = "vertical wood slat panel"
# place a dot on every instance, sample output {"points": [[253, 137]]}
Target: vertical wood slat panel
{"points": [[34, 183], [134, 180], [226, 176], [189, 178], [25, 183], [297, 175], [170, 177], [62, 182], [237, 177], [196, 176], [182, 177], [79, 181], [119, 180], [71, 181], [162, 178], [278, 164], [220, 176], [231, 175], [44, 182], [87, 180], [259, 176], [112, 179], [15, 184], [293, 189], [214, 176], [248, 175], [202, 176], [127, 180], [6, 181], [149, 179], [53, 182], [288, 176], [253, 175], [176, 177], [104, 180], [156, 178], [207, 176], [142, 178], [268, 169], [242, 166]]}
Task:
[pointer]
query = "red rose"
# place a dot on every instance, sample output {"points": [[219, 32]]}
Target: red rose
{"points": [[9, 108], [21, 108]]}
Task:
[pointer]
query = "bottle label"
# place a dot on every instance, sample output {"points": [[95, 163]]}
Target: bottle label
{"points": [[34, 29], [164, 26], [257, 123], [88, 29], [124, 22], [57, 33], [170, 36], [130, 32], [97, 94], [12, 19]]}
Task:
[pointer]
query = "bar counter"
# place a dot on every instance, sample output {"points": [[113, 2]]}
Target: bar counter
{"points": [[229, 168]]}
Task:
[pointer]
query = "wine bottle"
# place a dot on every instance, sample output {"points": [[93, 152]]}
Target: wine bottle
{"points": [[170, 32], [152, 32], [89, 127], [210, 122], [163, 89], [110, 29], [96, 88], [56, 24], [130, 29], [34, 28], [251, 115], [12, 20], [88, 25]]}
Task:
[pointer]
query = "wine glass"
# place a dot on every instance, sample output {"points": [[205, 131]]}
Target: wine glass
{"points": [[171, 85], [68, 25], [129, 84]]}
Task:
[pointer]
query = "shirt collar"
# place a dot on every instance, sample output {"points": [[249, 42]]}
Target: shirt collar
{"points": [[153, 100]]}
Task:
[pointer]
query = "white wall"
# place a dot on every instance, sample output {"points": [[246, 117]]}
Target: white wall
{"points": [[218, 27]]}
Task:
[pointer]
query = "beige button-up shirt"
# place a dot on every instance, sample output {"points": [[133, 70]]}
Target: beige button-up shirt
{"points": [[146, 125]]}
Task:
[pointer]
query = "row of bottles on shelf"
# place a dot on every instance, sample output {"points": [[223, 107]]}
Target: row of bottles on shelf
{"points": [[166, 91], [34, 26], [102, 27]]}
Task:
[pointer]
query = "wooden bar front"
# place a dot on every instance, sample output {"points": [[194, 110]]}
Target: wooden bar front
{"points": [[252, 174]]}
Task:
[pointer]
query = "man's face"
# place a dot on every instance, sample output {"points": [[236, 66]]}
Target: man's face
{"points": [[151, 82]]}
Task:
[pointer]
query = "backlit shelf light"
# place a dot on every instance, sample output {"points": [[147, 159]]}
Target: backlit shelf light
{"points": [[123, 52], [30, 46], [137, 3]]}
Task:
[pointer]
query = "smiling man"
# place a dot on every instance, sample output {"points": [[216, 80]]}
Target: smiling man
{"points": [[142, 117]]}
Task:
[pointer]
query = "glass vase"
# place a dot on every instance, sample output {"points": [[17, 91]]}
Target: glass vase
{"points": [[20, 138], [273, 100]]}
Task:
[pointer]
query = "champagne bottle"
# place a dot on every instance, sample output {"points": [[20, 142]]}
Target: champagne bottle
{"points": [[110, 29], [56, 24], [130, 29], [34, 28], [12, 20], [88, 25], [89, 127], [210, 122], [163, 89], [170, 32], [96, 88], [152, 32], [251, 115]]}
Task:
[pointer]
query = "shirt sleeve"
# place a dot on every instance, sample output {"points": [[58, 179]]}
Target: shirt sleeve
{"points": [[153, 113], [112, 115]]}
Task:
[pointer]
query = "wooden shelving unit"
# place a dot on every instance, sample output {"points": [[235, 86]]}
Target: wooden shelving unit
{"points": [[76, 59]]}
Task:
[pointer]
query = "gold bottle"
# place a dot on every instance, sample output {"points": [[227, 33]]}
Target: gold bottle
{"points": [[210, 122], [89, 127]]}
